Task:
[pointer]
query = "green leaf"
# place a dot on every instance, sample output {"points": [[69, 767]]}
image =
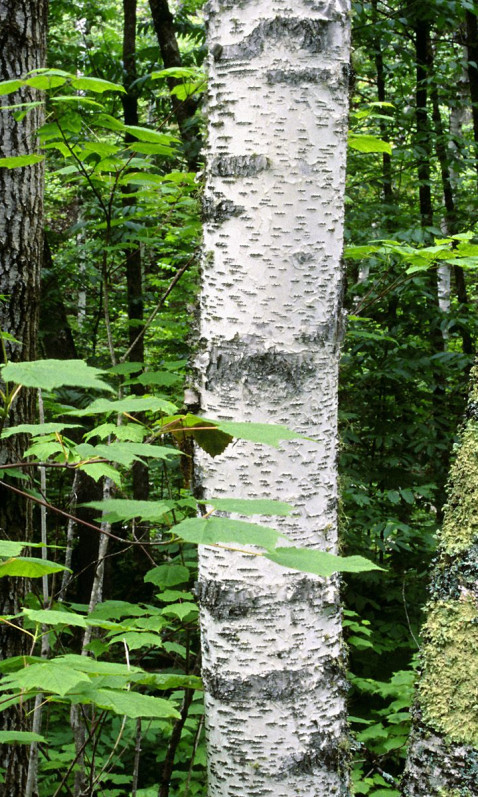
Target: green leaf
{"points": [[45, 82], [50, 374], [96, 470], [94, 667], [22, 737], [29, 567], [138, 639], [250, 506], [149, 135], [214, 530], [38, 428], [11, 548], [130, 405], [366, 143], [125, 453], [51, 617], [268, 433], [180, 610], [319, 563], [116, 509], [174, 71], [134, 705], [17, 161], [48, 677], [167, 575], [9, 86], [96, 84]]}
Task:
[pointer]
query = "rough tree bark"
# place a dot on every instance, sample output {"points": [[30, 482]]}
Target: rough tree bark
{"points": [[443, 754], [270, 333], [22, 48]]}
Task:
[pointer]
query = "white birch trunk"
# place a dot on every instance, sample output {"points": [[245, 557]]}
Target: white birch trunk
{"points": [[270, 331]]}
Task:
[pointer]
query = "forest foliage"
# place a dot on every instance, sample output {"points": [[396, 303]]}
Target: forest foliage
{"points": [[108, 459]]}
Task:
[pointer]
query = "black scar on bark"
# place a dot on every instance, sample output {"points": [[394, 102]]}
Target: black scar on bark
{"points": [[306, 34], [226, 601], [279, 685], [218, 211], [323, 752], [297, 77], [288, 372], [238, 165]]}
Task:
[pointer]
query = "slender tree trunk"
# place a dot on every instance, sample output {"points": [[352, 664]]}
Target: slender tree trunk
{"points": [[443, 753], [22, 48], [134, 267], [447, 184], [387, 188], [184, 110], [423, 139], [270, 326], [471, 22]]}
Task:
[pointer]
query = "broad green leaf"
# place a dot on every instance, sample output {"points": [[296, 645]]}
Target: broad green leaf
{"points": [[162, 378], [174, 71], [9, 86], [138, 639], [185, 90], [68, 99], [116, 609], [116, 509], [11, 548], [134, 705], [17, 161], [125, 453], [366, 143], [96, 470], [270, 434], [96, 84], [359, 252], [45, 82], [51, 617], [50, 374], [130, 405], [22, 737], [29, 567], [214, 530], [48, 677], [132, 432], [167, 575], [149, 135], [250, 506], [171, 681], [319, 563], [180, 610], [38, 428], [94, 667]]}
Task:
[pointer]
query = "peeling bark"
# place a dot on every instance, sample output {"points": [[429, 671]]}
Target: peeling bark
{"points": [[270, 333]]}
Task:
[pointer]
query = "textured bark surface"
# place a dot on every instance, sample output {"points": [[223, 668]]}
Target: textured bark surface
{"points": [[22, 48], [443, 754], [270, 332]]}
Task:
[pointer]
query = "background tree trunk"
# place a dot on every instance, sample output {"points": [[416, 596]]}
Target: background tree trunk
{"points": [[23, 26], [443, 752], [273, 662]]}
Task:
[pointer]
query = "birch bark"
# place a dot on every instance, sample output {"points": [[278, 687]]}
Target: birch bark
{"points": [[270, 332]]}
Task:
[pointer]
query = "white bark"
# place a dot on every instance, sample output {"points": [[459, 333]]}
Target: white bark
{"points": [[270, 332]]}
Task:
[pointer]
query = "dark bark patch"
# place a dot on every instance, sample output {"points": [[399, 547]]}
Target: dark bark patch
{"points": [[301, 34], [279, 685], [218, 211], [239, 165]]}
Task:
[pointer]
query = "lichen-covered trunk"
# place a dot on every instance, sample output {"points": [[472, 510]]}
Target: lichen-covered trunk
{"points": [[270, 332], [443, 753], [22, 48]]}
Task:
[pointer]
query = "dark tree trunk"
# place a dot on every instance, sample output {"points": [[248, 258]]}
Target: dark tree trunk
{"points": [[22, 48], [387, 188], [422, 139], [184, 110], [134, 270], [472, 50]]}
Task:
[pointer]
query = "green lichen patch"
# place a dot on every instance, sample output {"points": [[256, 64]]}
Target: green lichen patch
{"points": [[460, 526], [448, 690]]}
